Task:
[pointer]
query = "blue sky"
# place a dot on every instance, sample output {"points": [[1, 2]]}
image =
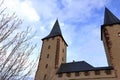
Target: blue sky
{"points": [[80, 22]]}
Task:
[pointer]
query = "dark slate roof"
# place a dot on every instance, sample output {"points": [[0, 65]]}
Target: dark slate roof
{"points": [[80, 66], [74, 67], [110, 18], [56, 31]]}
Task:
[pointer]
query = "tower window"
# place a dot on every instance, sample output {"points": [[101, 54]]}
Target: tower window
{"points": [[44, 77], [49, 47], [62, 59], [63, 50], [47, 39], [47, 55], [46, 65]]}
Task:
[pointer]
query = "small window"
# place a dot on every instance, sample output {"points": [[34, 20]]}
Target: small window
{"points": [[44, 77], [47, 39], [97, 72], [46, 65], [62, 59], [47, 55], [60, 75], [49, 47], [68, 74], [86, 73], [108, 72], [77, 74], [63, 50]]}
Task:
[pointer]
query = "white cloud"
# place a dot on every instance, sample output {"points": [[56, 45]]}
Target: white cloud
{"points": [[28, 11], [24, 9], [80, 10]]}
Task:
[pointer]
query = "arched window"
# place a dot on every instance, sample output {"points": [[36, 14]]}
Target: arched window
{"points": [[46, 65], [44, 77], [49, 47]]}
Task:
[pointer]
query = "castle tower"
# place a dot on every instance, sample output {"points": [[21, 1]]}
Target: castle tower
{"points": [[53, 53], [110, 35]]}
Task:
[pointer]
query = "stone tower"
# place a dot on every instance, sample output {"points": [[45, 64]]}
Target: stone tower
{"points": [[110, 35], [53, 53]]}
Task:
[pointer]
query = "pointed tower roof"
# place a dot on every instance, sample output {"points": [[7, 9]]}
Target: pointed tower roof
{"points": [[56, 31], [110, 18]]}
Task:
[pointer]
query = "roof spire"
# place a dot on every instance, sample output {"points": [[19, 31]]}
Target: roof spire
{"points": [[56, 31], [110, 18]]}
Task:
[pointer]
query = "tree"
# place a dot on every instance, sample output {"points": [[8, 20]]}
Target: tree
{"points": [[16, 48]]}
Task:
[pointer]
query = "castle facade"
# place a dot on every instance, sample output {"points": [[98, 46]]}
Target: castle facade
{"points": [[52, 63]]}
